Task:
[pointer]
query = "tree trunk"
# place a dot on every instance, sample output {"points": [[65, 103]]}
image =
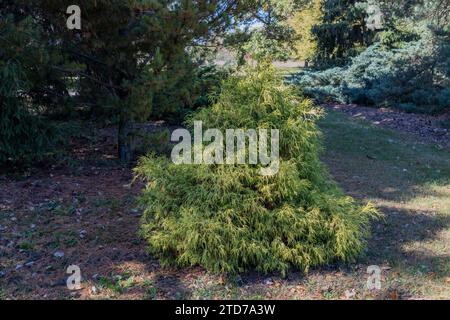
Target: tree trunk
{"points": [[125, 140]]}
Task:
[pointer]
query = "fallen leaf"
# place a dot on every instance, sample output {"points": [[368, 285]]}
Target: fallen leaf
{"points": [[393, 295]]}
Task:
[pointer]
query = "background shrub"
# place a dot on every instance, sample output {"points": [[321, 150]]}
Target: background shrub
{"points": [[230, 218], [405, 62], [412, 77]]}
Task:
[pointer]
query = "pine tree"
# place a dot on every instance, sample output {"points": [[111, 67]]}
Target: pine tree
{"points": [[134, 50], [273, 38], [408, 66], [342, 32], [29, 87]]}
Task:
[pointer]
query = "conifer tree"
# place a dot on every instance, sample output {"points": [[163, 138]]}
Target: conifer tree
{"points": [[230, 218], [342, 32], [303, 21], [407, 67], [29, 86], [273, 38], [134, 49]]}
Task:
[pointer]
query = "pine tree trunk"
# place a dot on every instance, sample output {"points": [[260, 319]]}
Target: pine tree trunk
{"points": [[125, 141]]}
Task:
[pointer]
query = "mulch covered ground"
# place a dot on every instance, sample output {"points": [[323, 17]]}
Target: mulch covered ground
{"points": [[435, 129]]}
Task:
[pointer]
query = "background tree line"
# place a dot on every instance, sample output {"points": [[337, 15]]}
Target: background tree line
{"points": [[381, 53], [135, 60], [131, 60]]}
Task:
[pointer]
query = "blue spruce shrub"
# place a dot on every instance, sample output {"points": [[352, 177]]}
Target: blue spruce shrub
{"points": [[413, 76]]}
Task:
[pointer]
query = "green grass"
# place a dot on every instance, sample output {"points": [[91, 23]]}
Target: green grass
{"points": [[117, 284], [410, 182], [151, 291], [357, 141], [25, 245], [288, 71], [68, 238], [113, 204], [387, 164]]}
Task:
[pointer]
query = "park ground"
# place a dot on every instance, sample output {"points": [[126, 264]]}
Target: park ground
{"points": [[82, 211]]}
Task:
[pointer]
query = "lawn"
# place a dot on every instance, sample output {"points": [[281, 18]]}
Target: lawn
{"points": [[88, 214], [409, 182]]}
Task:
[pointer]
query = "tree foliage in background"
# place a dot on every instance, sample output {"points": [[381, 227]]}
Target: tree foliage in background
{"points": [[229, 218], [408, 67], [342, 32], [302, 22], [203, 83], [265, 33], [135, 52], [29, 89], [134, 59]]}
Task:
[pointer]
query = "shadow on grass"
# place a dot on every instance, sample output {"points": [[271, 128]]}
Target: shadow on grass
{"points": [[368, 161], [402, 227]]}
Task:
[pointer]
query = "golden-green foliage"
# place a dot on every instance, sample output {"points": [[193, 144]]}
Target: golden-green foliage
{"points": [[303, 21], [229, 218]]}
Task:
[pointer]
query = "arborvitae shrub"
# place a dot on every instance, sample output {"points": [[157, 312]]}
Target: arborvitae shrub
{"points": [[229, 218]]}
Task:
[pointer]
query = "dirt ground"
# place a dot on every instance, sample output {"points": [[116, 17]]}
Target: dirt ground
{"points": [[83, 212]]}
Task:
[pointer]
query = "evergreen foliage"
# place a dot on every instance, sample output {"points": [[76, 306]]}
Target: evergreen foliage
{"points": [[26, 84], [265, 34], [303, 21], [342, 32], [194, 90], [137, 54], [407, 68], [24, 137], [229, 218]]}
